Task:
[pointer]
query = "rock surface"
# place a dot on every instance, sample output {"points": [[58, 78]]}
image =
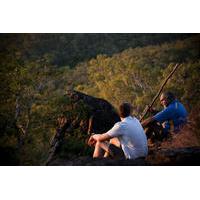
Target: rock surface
{"points": [[98, 117], [161, 157], [87, 113], [187, 156]]}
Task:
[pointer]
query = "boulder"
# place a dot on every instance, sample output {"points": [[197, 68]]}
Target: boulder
{"points": [[189, 156], [81, 116], [185, 156]]}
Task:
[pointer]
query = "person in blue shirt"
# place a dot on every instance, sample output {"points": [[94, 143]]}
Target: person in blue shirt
{"points": [[171, 118]]}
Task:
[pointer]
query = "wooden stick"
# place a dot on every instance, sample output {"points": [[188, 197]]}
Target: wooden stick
{"points": [[146, 110]]}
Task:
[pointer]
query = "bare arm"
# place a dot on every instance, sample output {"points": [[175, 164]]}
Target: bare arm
{"points": [[102, 137], [147, 121], [99, 137]]}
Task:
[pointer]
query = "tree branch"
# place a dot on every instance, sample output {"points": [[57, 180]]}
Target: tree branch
{"points": [[146, 110]]}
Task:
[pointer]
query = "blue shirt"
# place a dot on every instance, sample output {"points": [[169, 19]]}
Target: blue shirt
{"points": [[176, 113]]}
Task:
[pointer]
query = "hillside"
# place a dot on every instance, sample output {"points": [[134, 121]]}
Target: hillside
{"points": [[37, 70], [70, 49]]}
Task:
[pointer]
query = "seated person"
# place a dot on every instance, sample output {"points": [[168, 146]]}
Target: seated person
{"points": [[125, 140], [172, 117]]}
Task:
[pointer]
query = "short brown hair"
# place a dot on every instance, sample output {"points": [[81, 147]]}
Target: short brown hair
{"points": [[125, 109]]}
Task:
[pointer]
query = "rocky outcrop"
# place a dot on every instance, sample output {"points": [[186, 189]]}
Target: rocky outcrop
{"points": [[101, 114], [83, 112], [90, 114], [187, 156], [157, 157]]}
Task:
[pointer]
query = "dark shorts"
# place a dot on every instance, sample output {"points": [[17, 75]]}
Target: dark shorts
{"points": [[117, 152]]}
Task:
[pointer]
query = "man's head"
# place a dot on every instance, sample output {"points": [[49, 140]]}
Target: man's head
{"points": [[166, 98], [125, 110]]}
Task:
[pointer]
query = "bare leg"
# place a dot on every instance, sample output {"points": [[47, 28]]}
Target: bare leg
{"points": [[100, 149], [115, 141]]}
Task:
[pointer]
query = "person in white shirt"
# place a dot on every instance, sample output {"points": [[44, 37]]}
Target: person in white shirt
{"points": [[126, 139]]}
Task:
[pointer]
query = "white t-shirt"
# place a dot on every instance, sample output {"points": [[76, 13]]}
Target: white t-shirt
{"points": [[132, 138]]}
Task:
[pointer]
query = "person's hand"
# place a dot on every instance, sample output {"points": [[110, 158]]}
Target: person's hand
{"points": [[91, 141], [143, 123], [147, 121]]}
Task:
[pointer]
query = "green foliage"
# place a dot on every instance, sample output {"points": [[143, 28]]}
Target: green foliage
{"points": [[37, 69], [135, 75], [71, 49], [186, 83]]}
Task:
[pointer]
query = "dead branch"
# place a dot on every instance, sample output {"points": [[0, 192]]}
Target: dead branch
{"points": [[146, 110]]}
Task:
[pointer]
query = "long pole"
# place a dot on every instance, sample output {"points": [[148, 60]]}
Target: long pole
{"points": [[159, 92]]}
